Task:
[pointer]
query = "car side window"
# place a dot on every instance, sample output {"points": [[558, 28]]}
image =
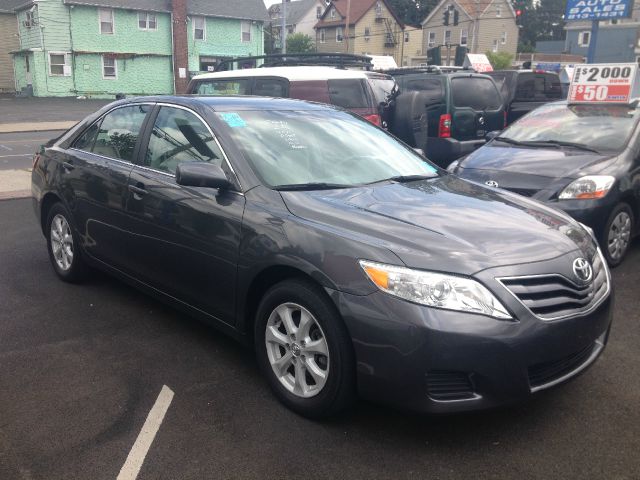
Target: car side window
{"points": [[270, 87], [223, 87], [116, 135], [179, 136]]}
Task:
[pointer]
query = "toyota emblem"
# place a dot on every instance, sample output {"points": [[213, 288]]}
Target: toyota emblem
{"points": [[491, 183], [582, 270]]}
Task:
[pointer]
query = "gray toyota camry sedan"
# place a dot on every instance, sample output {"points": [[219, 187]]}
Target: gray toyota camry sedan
{"points": [[352, 265]]}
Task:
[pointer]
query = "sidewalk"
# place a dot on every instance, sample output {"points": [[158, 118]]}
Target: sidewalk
{"points": [[40, 114], [18, 115]]}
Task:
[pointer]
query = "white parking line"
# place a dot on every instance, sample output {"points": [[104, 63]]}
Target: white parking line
{"points": [[6, 148], [132, 465], [17, 155]]}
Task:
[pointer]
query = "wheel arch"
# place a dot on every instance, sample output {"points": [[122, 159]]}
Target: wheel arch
{"points": [[48, 201]]}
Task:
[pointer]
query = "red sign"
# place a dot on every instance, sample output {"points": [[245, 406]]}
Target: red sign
{"points": [[603, 83]]}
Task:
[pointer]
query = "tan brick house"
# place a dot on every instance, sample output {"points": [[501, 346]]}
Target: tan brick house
{"points": [[374, 29], [483, 25]]}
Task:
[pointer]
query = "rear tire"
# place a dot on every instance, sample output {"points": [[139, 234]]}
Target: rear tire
{"points": [[304, 350], [63, 245], [617, 234]]}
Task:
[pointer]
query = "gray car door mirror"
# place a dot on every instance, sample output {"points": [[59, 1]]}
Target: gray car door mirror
{"points": [[202, 174]]}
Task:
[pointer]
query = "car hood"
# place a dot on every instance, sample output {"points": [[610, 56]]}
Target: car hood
{"points": [[444, 224], [544, 162]]}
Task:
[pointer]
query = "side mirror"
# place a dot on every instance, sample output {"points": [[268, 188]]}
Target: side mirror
{"points": [[202, 174], [491, 135]]}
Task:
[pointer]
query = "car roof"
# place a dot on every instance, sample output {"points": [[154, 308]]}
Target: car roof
{"points": [[231, 103], [299, 73]]}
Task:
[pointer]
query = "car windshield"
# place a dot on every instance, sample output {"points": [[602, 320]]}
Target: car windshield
{"points": [[599, 127], [314, 147]]}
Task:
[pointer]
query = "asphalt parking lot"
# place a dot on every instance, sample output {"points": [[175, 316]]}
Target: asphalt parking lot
{"points": [[82, 365]]}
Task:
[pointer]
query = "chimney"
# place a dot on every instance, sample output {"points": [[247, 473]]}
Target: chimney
{"points": [[180, 45]]}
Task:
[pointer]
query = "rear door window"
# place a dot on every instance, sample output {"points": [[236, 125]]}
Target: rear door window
{"points": [[117, 134], [348, 93], [475, 92], [382, 88], [222, 87], [538, 87], [270, 87]]}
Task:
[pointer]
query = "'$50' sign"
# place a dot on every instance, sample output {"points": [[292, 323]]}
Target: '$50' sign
{"points": [[602, 83]]}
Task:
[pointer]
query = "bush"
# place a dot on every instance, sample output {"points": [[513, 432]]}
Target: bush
{"points": [[299, 43], [500, 60]]}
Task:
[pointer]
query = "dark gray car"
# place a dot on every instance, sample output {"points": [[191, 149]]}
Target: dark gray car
{"points": [[348, 261]]}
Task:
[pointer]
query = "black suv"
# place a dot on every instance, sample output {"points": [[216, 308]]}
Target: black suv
{"points": [[457, 109], [525, 90]]}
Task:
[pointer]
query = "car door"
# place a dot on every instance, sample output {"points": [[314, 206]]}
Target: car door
{"points": [[94, 181], [185, 239]]}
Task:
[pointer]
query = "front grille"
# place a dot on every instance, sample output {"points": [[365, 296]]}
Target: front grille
{"points": [[446, 386], [525, 192], [547, 372], [550, 297]]}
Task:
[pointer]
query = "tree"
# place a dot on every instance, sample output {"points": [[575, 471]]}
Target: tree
{"points": [[540, 20], [299, 43], [500, 60], [412, 12]]}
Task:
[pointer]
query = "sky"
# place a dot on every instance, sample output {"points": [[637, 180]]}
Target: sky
{"points": [[268, 3]]}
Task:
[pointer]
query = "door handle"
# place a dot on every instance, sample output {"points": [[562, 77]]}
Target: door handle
{"points": [[138, 192], [68, 166]]}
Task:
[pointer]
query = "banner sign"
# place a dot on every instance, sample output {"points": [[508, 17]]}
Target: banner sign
{"points": [[478, 61], [603, 83], [597, 9]]}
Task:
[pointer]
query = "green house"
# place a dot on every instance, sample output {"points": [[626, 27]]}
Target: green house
{"points": [[101, 48]]}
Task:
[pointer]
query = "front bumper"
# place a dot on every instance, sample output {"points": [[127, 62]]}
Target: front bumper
{"points": [[593, 213], [439, 361]]}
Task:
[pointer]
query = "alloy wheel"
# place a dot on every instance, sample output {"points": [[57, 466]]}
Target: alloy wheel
{"points": [[619, 235], [297, 350], [61, 242]]}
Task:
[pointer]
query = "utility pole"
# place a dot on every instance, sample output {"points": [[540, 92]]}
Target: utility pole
{"points": [[593, 39], [346, 28], [283, 26]]}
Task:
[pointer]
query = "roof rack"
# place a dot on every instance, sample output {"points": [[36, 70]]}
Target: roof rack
{"points": [[338, 60], [427, 69]]}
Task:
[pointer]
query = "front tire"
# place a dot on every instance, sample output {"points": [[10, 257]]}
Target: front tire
{"points": [[616, 237], [63, 245], [304, 350]]}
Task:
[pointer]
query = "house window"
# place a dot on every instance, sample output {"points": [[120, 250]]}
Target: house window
{"points": [[59, 64], [367, 33], [406, 37], [447, 37], [199, 28], [464, 38], [432, 40], [30, 19], [106, 21], [332, 13], [494, 47], [246, 31], [147, 21], [318, 12], [503, 38], [499, 11], [378, 9], [323, 35], [583, 39], [109, 67], [339, 34]]}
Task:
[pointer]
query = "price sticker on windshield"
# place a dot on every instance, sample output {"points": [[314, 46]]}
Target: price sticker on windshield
{"points": [[603, 83]]}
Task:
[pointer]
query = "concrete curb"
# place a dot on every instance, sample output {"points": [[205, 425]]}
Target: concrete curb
{"points": [[15, 195], [35, 127]]}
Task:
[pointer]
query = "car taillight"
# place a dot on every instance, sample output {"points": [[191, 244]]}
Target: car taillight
{"points": [[375, 119], [444, 129]]}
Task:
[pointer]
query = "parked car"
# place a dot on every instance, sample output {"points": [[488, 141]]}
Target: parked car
{"points": [[582, 159], [459, 109], [347, 260], [365, 93], [526, 90]]}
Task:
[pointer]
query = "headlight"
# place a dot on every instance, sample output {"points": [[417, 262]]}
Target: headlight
{"points": [[452, 166], [434, 289], [591, 186]]}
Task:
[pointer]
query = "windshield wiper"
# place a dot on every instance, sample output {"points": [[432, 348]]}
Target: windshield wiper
{"points": [[508, 140], [560, 143], [411, 178], [310, 186]]}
